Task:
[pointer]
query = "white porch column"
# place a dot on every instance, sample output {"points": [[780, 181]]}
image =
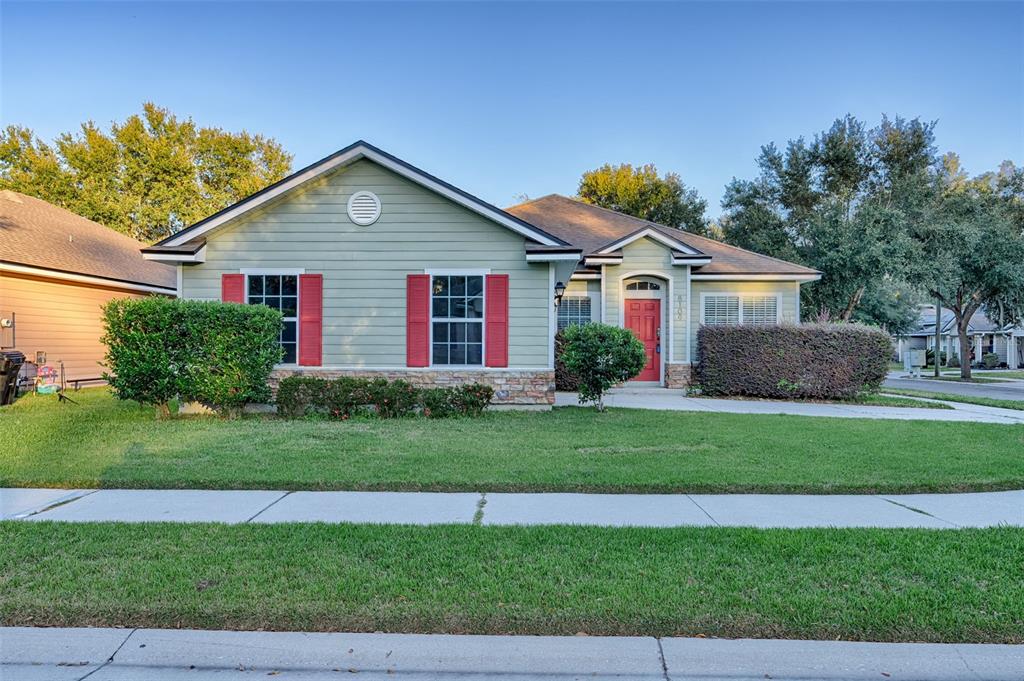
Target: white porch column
{"points": [[1011, 351], [977, 349]]}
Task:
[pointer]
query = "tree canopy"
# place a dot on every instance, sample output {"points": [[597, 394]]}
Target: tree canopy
{"points": [[642, 193], [147, 177], [841, 204], [971, 249]]}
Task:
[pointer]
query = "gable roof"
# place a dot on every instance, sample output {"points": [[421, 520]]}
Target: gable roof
{"points": [[350, 154], [595, 229], [39, 235]]}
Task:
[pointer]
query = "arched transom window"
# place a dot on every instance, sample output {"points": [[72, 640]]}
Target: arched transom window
{"points": [[643, 286]]}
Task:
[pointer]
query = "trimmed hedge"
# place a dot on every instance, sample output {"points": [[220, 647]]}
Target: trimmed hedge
{"points": [[346, 397], [810, 361], [217, 354]]}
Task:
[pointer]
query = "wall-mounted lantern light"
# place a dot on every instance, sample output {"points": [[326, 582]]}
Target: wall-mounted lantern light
{"points": [[559, 292]]}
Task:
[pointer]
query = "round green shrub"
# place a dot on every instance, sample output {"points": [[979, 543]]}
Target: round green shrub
{"points": [[601, 356]]}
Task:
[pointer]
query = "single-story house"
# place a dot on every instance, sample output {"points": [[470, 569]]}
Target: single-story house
{"points": [[987, 336], [381, 269], [57, 269]]}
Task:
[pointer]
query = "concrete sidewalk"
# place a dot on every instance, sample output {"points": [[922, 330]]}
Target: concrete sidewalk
{"points": [[676, 400], [982, 509], [29, 654]]}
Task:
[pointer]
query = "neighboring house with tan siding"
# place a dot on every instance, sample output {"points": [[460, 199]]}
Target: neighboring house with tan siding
{"points": [[57, 270], [381, 269]]}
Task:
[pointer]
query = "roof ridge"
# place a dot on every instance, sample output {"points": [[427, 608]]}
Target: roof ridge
{"points": [[680, 229]]}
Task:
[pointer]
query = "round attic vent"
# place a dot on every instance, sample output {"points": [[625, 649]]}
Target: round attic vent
{"points": [[364, 208]]}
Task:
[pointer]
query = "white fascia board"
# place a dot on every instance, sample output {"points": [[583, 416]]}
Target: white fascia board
{"points": [[552, 257], [603, 260], [197, 257], [85, 279], [691, 260], [352, 156], [585, 276], [755, 277], [651, 234]]}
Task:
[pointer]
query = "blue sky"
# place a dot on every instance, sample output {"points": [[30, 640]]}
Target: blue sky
{"points": [[521, 98]]}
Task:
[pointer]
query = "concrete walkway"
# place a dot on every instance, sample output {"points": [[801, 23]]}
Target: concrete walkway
{"points": [[676, 400], [984, 509], [30, 654]]}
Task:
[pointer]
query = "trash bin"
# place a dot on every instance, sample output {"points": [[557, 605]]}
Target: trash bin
{"points": [[10, 368]]}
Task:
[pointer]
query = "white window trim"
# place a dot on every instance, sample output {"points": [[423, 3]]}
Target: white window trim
{"points": [[483, 316], [256, 272], [740, 296], [287, 271]]}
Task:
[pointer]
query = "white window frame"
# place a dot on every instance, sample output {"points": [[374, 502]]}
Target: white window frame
{"points": [[482, 273], [256, 272], [740, 296]]}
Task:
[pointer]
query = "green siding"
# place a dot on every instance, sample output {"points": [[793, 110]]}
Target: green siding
{"points": [[365, 268], [788, 291]]}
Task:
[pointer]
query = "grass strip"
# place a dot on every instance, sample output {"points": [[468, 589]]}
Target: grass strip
{"points": [[864, 584], [105, 443], [965, 399]]}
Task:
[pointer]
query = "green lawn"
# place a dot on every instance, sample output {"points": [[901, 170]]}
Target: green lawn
{"points": [[106, 443], [951, 397], [883, 585]]}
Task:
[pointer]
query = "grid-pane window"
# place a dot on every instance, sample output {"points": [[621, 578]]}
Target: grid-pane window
{"points": [[643, 286], [760, 310], [281, 292], [457, 320], [721, 310], [573, 311]]}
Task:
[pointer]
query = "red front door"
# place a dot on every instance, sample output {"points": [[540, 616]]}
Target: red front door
{"points": [[643, 318]]}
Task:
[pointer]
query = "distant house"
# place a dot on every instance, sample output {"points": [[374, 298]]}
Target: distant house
{"points": [[987, 336], [56, 271], [381, 269]]}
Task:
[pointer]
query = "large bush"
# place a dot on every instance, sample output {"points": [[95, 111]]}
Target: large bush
{"points": [[601, 356], [812, 361], [217, 354], [345, 397], [564, 379]]}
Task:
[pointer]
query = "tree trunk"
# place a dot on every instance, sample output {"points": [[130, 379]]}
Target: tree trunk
{"points": [[938, 339], [965, 349], [852, 304]]}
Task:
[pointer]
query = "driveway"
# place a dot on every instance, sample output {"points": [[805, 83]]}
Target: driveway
{"points": [[1008, 390], [676, 400]]}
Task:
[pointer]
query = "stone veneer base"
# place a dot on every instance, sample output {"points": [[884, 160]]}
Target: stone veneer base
{"points": [[511, 386], [677, 375]]}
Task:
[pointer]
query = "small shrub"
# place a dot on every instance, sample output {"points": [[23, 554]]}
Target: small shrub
{"points": [[564, 379], [217, 354], [813, 361], [346, 396], [929, 356], [954, 361], [392, 399], [470, 399], [601, 356], [436, 403], [990, 360], [300, 395]]}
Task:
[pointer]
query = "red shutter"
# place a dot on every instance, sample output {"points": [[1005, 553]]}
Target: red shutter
{"points": [[232, 288], [417, 320], [496, 322], [311, 319]]}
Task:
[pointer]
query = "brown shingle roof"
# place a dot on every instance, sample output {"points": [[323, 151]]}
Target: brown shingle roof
{"points": [[40, 234], [591, 227]]}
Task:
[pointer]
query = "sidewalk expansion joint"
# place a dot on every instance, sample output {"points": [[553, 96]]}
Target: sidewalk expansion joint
{"points": [[478, 517], [69, 498], [916, 510], [265, 508], [661, 659], [112, 655], [704, 511]]}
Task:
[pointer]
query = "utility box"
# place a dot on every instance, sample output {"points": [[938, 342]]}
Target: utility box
{"points": [[913, 360]]}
